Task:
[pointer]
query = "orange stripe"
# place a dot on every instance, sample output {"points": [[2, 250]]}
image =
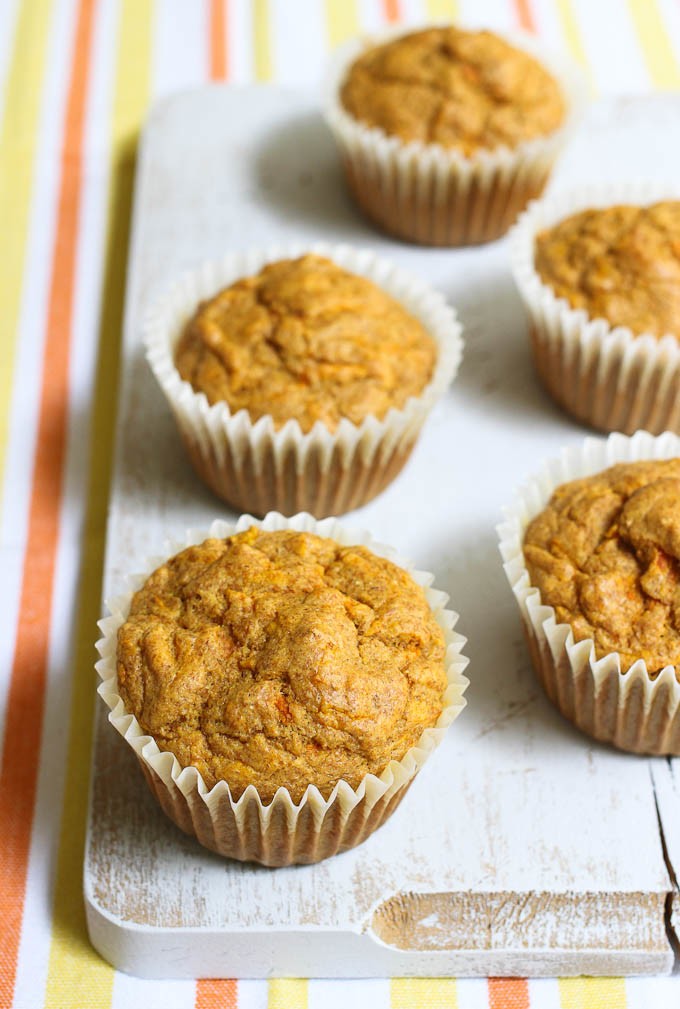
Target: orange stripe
{"points": [[21, 749], [215, 994], [391, 10], [508, 993], [524, 15], [217, 23]]}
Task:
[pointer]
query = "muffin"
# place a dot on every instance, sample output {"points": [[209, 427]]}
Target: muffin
{"points": [[446, 133], [599, 273], [285, 683], [593, 556], [301, 381]]}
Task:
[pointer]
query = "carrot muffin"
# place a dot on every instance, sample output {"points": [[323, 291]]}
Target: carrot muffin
{"points": [[304, 339], [281, 659], [280, 688], [591, 548], [464, 90], [602, 288], [447, 133], [300, 381], [605, 554], [619, 263]]}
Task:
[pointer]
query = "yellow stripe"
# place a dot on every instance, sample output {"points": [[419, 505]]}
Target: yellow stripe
{"points": [[657, 49], [18, 142], [441, 10], [342, 21], [413, 992], [572, 36], [592, 993], [288, 993], [262, 40], [76, 974]]}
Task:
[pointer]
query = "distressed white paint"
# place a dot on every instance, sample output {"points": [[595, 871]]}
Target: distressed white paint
{"points": [[544, 846]]}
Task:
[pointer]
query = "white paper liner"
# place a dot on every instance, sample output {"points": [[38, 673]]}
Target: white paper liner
{"points": [[281, 832], [606, 376], [434, 195], [256, 467], [625, 707]]}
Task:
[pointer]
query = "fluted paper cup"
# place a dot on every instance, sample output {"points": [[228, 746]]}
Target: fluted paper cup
{"points": [[281, 832], [257, 467], [433, 195], [606, 376], [626, 707]]}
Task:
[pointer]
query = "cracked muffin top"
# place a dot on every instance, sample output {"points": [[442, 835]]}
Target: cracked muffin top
{"points": [[621, 264], [304, 339], [605, 553], [461, 89], [282, 659]]}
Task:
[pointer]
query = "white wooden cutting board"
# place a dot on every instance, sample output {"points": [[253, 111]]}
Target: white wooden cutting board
{"points": [[523, 848]]}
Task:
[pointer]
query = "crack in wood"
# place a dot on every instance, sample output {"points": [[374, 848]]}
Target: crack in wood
{"points": [[672, 897]]}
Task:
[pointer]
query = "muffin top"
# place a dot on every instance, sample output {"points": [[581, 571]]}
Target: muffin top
{"points": [[621, 264], [461, 89], [305, 339], [605, 554], [282, 659]]}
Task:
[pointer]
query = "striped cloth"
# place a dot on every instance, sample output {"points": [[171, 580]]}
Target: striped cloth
{"points": [[76, 80]]}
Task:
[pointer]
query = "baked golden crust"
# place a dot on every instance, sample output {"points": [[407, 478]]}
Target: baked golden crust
{"points": [[305, 339], [282, 659], [619, 263], [605, 554], [461, 89]]}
